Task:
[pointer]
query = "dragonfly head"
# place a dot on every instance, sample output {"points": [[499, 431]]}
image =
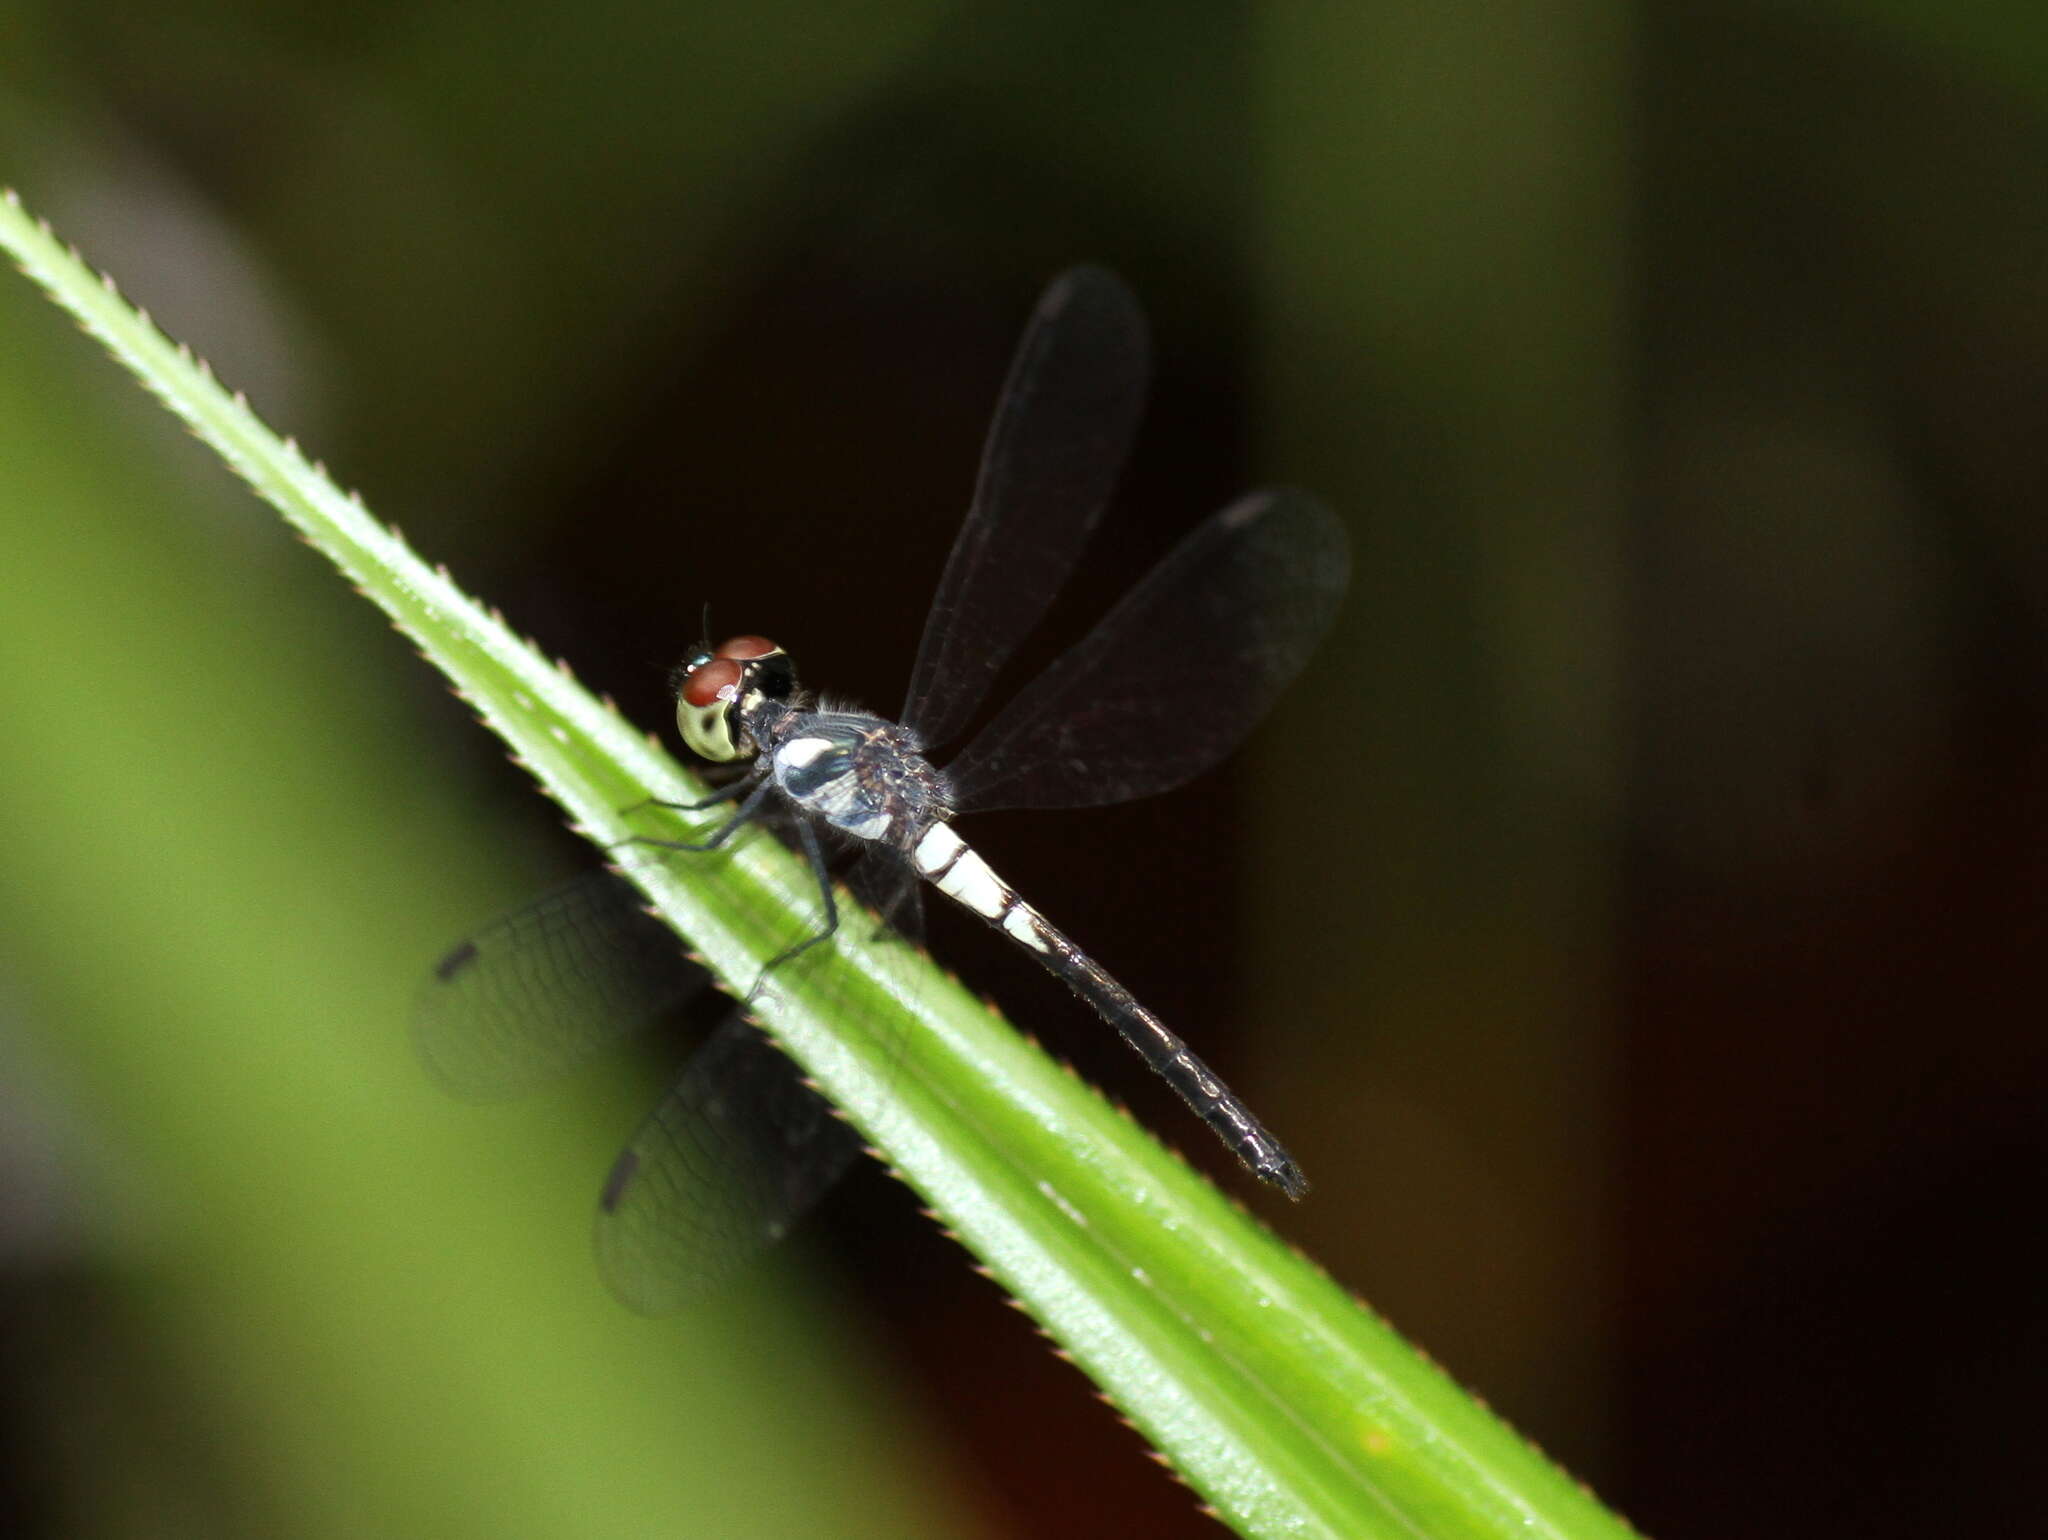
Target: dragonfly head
{"points": [[717, 687]]}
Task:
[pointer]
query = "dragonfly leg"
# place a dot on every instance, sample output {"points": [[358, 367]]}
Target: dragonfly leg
{"points": [[814, 852], [727, 793], [756, 794]]}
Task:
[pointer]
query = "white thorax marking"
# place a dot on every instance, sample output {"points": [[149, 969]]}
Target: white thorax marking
{"points": [[838, 797], [798, 752]]}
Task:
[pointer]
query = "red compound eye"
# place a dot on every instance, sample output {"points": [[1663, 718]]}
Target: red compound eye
{"points": [[745, 648], [702, 687]]}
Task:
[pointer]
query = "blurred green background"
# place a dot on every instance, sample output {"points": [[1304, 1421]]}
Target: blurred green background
{"points": [[1634, 921]]}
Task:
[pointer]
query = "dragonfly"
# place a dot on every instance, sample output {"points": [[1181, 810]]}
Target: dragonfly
{"points": [[1164, 687]]}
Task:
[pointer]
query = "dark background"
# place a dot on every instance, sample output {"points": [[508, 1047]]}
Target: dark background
{"points": [[1634, 920]]}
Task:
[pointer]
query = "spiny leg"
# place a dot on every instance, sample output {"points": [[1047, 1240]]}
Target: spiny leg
{"points": [[729, 792], [748, 811], [814, 853], [756, 793]]}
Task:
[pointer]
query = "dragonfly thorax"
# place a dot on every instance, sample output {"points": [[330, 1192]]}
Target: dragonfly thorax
{"points": [[860, 773]]}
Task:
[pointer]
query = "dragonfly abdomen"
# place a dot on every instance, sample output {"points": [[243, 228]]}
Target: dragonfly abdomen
{"points": [[952, 866]]}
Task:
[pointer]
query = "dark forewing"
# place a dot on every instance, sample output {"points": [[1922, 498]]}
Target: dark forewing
{"points": [[540, 990], [732, 1157], [1178, 673], [1062, 430]]}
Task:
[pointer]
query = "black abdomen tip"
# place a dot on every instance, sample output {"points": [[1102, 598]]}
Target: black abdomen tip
{"points": [[1284, 1174]]}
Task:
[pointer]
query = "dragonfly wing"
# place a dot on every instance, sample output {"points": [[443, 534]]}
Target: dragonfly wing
{"points": [[1175, 677], [542, 989], [1062, 430], [887, 886], [735, 1154]]}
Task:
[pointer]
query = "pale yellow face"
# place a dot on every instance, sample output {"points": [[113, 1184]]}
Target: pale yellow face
{"points": [[708, 701], [708, 730]]}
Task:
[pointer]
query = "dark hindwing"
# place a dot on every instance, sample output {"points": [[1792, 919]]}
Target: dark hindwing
{"points": [[733, 1156], [544, 988], [1177, 675]]}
